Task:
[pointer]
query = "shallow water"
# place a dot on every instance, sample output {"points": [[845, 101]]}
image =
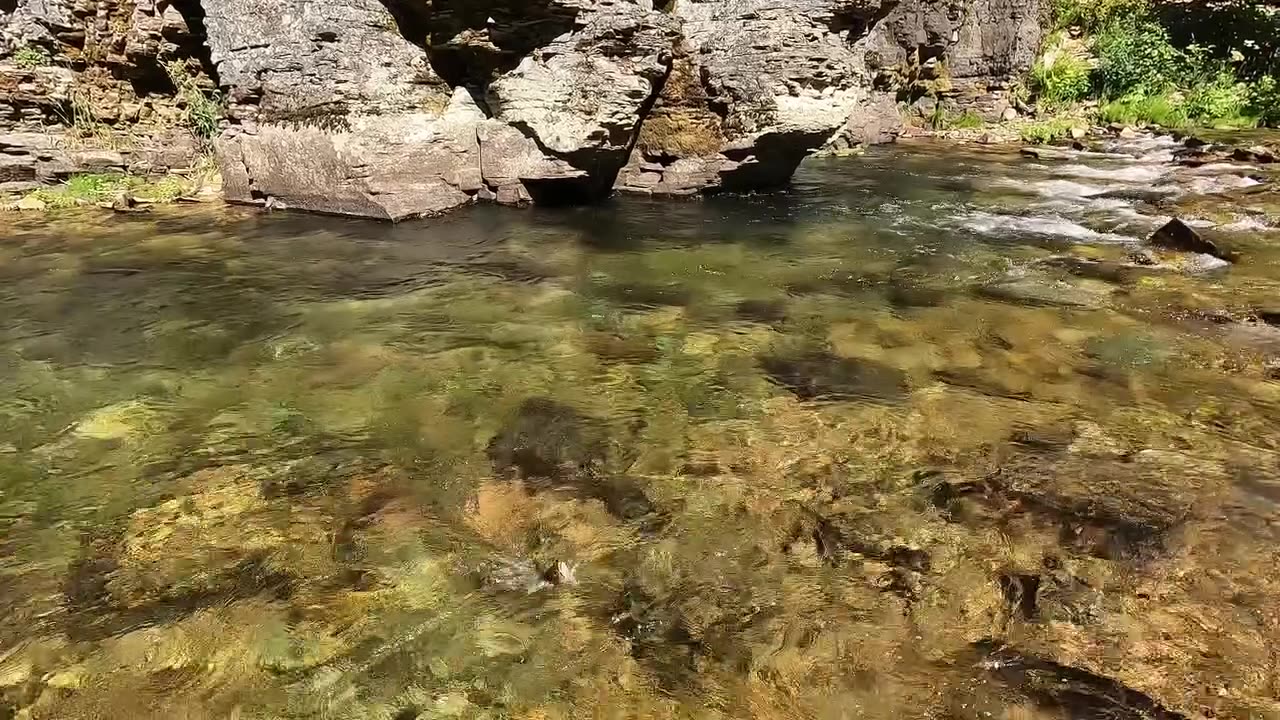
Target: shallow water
{"points": [[914, 439]]}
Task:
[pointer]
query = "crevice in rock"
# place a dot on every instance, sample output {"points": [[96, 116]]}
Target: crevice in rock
{"points": [[196, 45], [1078, 692], [469, 44]]}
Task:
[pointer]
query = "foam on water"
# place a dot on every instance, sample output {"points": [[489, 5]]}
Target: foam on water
{"points": [[1130, 173], [1046, 226], [1065, 188], [1250, 222], [1218, 183]]}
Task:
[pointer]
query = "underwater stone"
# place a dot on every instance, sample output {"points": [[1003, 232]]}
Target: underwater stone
{"points": [[550, 445], [1077, 692], [1041, 292], [822, 375]]}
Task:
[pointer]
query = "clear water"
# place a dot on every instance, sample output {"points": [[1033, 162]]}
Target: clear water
{"points": [[909, 440]]}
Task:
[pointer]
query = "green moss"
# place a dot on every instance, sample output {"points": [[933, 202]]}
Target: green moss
{"points": [[94, 188], [31, 57]]}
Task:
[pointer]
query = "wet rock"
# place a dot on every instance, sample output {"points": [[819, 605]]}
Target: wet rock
{"points": [[552, 446], [1040, 152], [766, 311], [906, 294], [1044, 292], [1109, 271], [1074, 691], [1257, 153], [644, 295], [821, 375], [1101, 502], [1021, 593], [659, 638], [626, 348], [1268, 315], [1177, 235], [522, 575], [548, 439], [984, 382]]}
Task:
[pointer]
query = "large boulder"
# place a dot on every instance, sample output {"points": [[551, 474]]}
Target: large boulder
{"points": [[402, 108], [964, 54], [409, 109], [756, 88]]}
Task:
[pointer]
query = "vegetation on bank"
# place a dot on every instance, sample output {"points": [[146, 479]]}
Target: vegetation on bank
{"points": [[1171, 64], [108, 188]]}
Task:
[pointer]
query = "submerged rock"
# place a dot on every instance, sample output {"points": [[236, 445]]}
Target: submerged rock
{"points": [[1042, 292], [1071, 690], [550, 446], [821, 375]]}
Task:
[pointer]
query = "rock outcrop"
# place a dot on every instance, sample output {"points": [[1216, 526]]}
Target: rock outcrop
{"points": [[757, 85], [89, 86], [401, 108], [338, 110]]}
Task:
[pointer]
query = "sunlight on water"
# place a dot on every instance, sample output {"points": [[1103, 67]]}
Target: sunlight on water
{"points": [[922, 437]]}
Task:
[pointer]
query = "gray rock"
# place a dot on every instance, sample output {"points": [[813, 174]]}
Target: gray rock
{"points": [[17, 169], [1044, 292], [400, 108]]}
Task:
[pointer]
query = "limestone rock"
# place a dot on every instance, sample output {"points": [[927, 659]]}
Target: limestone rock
{"points": [[401, 108]]}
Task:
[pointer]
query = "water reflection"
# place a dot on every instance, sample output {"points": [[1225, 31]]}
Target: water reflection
{"points": [[917, 438]]}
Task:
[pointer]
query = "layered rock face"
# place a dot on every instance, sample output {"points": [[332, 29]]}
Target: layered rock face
{"points": [[403, 108], [86, 86]]}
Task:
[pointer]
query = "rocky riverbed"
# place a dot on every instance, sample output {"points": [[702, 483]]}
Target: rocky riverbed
{"points": [[939, 432]]}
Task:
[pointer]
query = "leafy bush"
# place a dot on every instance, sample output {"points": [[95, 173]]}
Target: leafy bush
{"points": [[1045, 131], [1264, 101], [968, 120], [1060, 77], [31, 57], [1135, 56], [1223, 100], [1093, 15], [1162, 109]]}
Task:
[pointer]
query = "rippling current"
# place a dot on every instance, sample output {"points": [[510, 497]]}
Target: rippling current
{"points": [[933, 434]]}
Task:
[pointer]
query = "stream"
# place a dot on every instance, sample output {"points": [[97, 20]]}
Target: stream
{"points": [[935, 433]]}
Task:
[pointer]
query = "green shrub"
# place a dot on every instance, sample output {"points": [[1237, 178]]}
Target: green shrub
{"points": [[1059, 77], [967, 120], [1135, 56], [1223, 100], [31, 57], [1092, 15], [1045, 131], [1163, 109], [1264, 101]]}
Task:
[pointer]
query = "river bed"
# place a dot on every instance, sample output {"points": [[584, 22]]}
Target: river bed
{"points": [[931, 434]]}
